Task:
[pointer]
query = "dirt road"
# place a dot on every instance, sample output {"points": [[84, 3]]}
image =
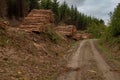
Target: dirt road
{"points": [[87, 64]]}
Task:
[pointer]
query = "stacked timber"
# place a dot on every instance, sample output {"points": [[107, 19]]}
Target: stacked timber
{"points": [[37, 20], [80, 36], [77, 36], [87, 36], [71, 31], [68, 30]]}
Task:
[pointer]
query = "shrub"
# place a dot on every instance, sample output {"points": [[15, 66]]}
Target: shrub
{"points": [[4, 39], [52, 35]]}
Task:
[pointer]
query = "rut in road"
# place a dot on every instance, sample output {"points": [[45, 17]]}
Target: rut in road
{"points": [[87, 64]]}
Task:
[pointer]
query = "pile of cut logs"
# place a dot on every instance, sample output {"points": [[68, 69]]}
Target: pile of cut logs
{"points": [[37, 19]]}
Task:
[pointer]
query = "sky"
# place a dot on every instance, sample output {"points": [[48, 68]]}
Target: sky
{"points": [[95, 8]]}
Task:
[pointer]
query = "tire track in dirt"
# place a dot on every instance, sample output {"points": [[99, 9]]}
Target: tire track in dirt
{"points": [[89, 70], [73, 64], [102, 65], [87, 64]]}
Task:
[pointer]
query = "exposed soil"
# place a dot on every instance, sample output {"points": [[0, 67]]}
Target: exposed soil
{"points": [[40, 56], [30, 56]]}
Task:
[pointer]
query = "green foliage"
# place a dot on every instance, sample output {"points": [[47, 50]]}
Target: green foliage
{"points": [[107, 37], [115, 22], [96, 29], [34, 4], [45, 4], [113, 31], [1, 36], [63, 12], [66, 15], [52, 35], [55, 6], [4, 40]]}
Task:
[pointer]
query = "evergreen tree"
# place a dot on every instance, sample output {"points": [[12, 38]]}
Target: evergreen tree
{"points": [[46, 4], [63, 12], [11, 8], [3, 8], [18, 8], [55, 7], [34, 4], [115, 22]]}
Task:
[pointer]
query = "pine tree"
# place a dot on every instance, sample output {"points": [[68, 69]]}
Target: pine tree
{"points": [[34, 4], [46, 4], [11, 8], [115, 22], [23, 8], [55, 7], [3, 8], [63, 12]]}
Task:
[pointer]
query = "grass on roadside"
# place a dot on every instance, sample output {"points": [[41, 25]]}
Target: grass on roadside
{"points": [[108, 54], [4, 39]]}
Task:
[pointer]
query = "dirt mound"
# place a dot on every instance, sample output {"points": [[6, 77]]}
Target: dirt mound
{"points": [[30, 56], [37, 20]]}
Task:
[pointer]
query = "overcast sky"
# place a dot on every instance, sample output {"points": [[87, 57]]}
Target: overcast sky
{"points": [[96, 8]]}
